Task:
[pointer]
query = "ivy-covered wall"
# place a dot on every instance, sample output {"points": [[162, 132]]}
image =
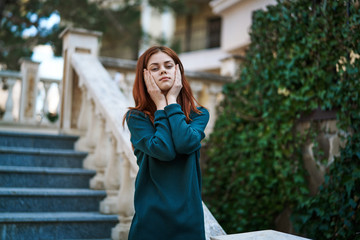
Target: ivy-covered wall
{"points": [[303, 56]]}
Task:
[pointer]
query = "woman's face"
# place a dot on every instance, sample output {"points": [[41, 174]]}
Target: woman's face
{"points": [[162, 68]]}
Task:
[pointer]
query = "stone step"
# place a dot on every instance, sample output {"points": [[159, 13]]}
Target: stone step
{"points": [[23, 156], [56, 225], [44, 177], [36, 140], [50, 200]]}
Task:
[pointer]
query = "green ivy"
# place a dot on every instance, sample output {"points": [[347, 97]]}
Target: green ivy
{"points": [[302, 56]]}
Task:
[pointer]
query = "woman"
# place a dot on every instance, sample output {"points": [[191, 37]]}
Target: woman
{"points": [[166, 129]]}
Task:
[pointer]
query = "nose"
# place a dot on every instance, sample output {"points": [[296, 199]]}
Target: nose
{"points": [[163, 70]]}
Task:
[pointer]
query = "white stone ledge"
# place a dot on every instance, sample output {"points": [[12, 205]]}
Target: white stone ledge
{"points": [[259, 235]]}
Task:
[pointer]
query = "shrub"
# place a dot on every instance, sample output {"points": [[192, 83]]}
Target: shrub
{"points": [[303, 56]]}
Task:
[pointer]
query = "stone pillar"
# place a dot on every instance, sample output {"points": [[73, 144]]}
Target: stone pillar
{"points": [[214, 98], [196, 87], [29, 90], [75, 40], [230, 66]]}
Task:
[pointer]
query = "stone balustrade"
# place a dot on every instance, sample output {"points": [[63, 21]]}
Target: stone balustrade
{"points": [[206, 87], [8, 80], [19, 96]]}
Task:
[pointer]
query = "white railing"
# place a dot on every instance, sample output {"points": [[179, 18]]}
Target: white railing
{"points": [[24, 98], [107, 141], [8, 79]]}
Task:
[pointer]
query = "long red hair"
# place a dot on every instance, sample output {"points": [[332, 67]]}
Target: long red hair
{"points": [[143, 101]]}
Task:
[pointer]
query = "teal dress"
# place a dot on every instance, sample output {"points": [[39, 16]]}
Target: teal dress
{"points": [[167, 200]]}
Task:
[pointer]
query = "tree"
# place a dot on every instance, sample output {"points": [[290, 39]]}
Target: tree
{"points": [[120, 27], [303, 55]]}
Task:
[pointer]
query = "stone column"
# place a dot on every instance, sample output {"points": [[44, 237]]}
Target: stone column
{"points": [[75, 40], [196, 87], [214, 97], [230, 66], [29, 90]]}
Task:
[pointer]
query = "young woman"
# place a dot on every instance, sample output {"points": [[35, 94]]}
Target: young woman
{"points": [[166, 130]]}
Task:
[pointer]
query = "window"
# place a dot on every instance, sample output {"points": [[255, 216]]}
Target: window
{"points": [[213, 32]]}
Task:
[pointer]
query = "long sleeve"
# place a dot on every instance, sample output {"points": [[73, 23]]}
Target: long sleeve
{"points": [[154, 140], [186, 136]]}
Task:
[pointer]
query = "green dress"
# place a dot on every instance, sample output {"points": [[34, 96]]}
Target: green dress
{"points": [[167, 201]]}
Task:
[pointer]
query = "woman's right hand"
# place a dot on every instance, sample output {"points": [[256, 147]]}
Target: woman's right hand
{"points": [[154, 91]]}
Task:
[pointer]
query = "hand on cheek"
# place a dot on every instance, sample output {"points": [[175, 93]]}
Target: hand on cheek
{"points": [[154, 91], [174, 91]]}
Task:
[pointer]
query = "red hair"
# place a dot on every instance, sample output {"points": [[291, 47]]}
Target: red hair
{"points": [[143, 101]]}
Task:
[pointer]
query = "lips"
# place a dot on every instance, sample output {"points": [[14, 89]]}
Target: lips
{"points": [[164, 78]]}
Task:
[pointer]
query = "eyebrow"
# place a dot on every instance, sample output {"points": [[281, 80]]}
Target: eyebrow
{"points": [[169, 61]]}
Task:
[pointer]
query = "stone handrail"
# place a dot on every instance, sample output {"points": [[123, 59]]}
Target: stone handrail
{"points": [[107, 141], [108, 101]]}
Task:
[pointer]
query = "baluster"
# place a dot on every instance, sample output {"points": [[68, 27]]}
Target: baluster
{"points": [[45, 109], [92, 137], [112, 180], [101, 156], [59, 88], [16, 100], [83, 121], [125, 202], [8, 116]]}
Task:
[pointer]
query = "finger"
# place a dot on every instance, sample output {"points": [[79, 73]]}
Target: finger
{"points": [[150, 81], [178, 73], [146, 78]]}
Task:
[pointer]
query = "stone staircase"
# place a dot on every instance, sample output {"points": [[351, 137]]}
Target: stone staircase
{"points": [[44, 191]]}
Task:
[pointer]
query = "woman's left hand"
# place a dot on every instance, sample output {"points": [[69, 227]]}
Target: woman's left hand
{"points": [[174, 91]]}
